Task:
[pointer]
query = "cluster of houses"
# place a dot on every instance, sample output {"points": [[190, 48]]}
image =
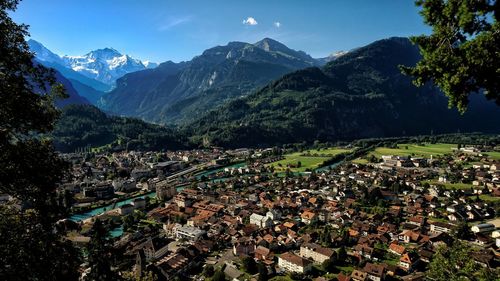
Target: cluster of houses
{"points": [[112, 175], [373, 221]]}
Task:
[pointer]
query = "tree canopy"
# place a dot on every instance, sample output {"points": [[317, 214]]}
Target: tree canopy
{"points": [[30, 246], [455, 263], [99, 255], [462, 55]]}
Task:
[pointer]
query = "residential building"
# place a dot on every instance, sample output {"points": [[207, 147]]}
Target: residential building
{"points": [[483, 228], [439, 227], [261, 221], [293, 263], [189, 233], [315, 252]]}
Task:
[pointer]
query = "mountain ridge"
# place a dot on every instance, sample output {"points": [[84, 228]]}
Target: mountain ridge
{"points": [[208, 80], [105, 65], [361, 94]]}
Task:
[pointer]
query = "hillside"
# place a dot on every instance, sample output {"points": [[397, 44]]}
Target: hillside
{"points": [[178, 93], [85, 126], [72, 95], [361, 94]]}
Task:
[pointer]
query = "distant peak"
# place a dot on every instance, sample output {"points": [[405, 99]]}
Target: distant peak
{"points": [[33, 43], [399, 40], [269, 44], [236, 44], [105, 52], [107, 49], [337, 54], [41, 52], [149, 64], [270, 40]]}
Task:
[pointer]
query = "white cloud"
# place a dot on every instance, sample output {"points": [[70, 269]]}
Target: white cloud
{"points": [[277, 24], [250, 21]]}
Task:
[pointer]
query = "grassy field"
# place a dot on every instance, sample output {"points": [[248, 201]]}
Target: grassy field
{"points": [[493, 154], [409, 149], [450, 185], [314, 159], [332, 151], [345, 269], [391, 259], [418, 150], [360, 161], [487, 197]]}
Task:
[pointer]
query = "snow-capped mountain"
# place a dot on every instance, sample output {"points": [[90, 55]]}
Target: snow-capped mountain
{"points": [[42, 53], [104, 65], [150, 64]]}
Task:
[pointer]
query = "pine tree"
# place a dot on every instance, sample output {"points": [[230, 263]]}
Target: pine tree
{"points": [[219, 275], [249, 265], [99, 253], [263, 274], [462, 54], [328, 265], [342, 254]]}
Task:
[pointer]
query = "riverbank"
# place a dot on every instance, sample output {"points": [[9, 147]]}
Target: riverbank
{"points": [[100, 210]]}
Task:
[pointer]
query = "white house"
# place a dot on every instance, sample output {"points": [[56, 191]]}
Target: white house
{"points": [[294, 263], [261, 221], [125, 209], [139, 203], [439, 227], [273, 215], [483, 228], [189, 233], [315, 252]]}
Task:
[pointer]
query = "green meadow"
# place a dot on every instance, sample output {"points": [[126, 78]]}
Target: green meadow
{"points": [[416, 150], [309, 159]]}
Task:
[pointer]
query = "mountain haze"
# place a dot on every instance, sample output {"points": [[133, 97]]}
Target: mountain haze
{"points": [[72, 94]]}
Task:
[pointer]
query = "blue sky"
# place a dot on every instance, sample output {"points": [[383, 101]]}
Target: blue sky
{"points": [[178, 30]]}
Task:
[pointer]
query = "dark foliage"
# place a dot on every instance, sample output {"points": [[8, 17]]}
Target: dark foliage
{"points": [[30, 248], [462, 55], [99, 258], [85, 126]]}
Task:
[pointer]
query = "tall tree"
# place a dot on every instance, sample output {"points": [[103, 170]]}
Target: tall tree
{"points": [[462, 55], [462, 231], [219, 275], [328, 265], [263, 274], [99, 255], [342, 254], [249, 265], [455, 263], [30, 248]]}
